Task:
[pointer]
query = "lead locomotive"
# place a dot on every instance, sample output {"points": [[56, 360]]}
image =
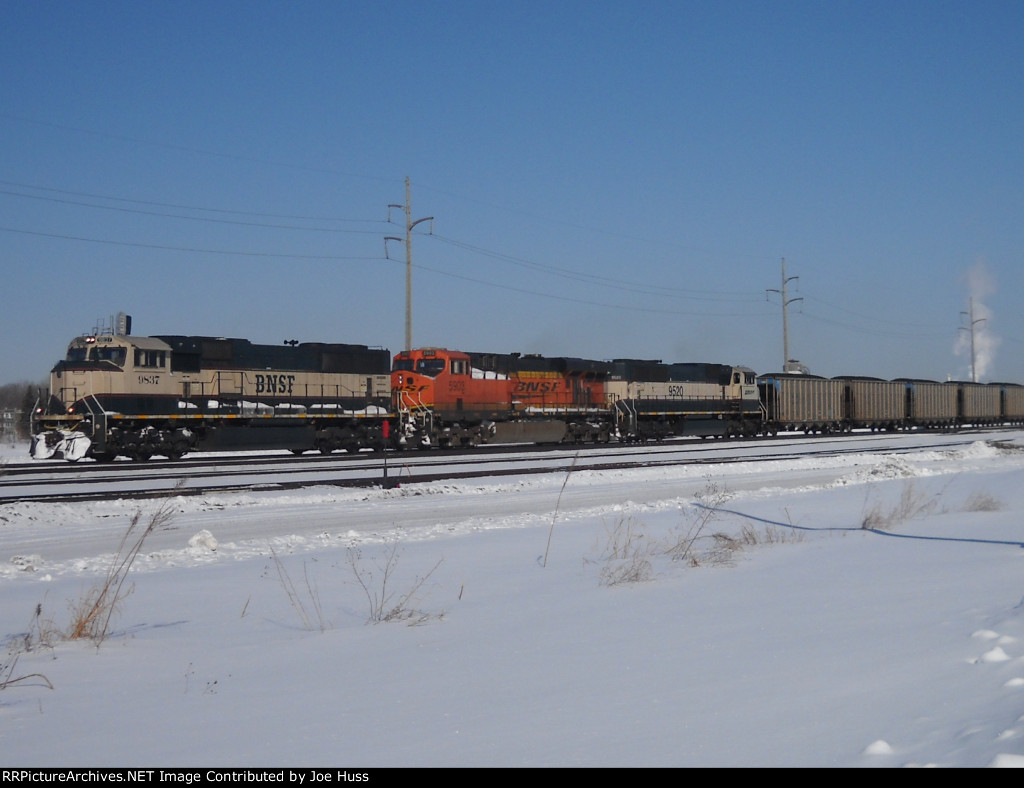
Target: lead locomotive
{"points": [[116, 394]]}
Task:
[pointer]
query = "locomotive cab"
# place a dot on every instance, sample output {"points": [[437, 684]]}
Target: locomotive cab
{"points": [[99, 369]]}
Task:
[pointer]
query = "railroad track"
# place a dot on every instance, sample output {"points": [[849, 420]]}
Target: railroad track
{"points": [[62, 482]]}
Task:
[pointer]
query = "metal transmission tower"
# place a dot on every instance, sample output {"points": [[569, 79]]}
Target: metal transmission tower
{"points": [[409, 224], [970, 327], [787, 362]]}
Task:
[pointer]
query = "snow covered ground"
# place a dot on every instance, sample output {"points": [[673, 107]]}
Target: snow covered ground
{"points": [[734, 615]]}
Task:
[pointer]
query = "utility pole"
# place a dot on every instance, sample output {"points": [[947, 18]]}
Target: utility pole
{"points": [[409, 224], [786, 301], [970, 327]]}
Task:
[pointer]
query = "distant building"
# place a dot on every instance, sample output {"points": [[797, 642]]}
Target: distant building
{"points": [[10, 423]]}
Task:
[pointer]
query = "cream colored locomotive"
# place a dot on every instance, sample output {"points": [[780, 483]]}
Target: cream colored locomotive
{"points": [[121, 395]]}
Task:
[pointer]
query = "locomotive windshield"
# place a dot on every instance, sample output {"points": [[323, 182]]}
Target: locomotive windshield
{"points": [[116, 355], [431, 367]]}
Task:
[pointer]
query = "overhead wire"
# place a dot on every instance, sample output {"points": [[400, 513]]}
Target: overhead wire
{"points": [[604, 281], [646, 308], [139, 211], [193, 250]]}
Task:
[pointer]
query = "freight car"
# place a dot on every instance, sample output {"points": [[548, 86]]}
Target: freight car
{"points": [[870, 403], [823, 405], [120, 395], [931, 405], [801, 402], [1011, 402], [451, 398]]}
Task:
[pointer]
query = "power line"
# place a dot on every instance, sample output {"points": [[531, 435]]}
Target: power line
{"points": [[191, 250], [186, 149], [187, 207], [234, 222], [604, 281], [645, 308]]}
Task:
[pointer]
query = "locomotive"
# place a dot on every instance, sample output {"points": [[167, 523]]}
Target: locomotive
{"points": [[117, 394]]}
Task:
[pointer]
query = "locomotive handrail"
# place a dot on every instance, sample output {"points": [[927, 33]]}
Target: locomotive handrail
{"points": [[99, 421], [630, 413], [413, 405]]}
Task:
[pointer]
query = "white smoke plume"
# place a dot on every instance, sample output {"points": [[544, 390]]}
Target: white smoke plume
{"points": [[977, 321]]}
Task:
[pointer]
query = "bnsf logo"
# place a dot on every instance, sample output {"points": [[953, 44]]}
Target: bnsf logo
{"points": [[274, 384], [537, 386]]}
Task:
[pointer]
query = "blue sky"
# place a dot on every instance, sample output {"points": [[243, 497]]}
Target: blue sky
{"points": [[606, 179]]}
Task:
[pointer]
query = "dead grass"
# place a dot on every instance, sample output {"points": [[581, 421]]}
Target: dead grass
{"points": [[92, 613], [708, 502], [311, 615], [627, 554], [558, 503], [376, 576], [913, 503], [9, 679], [983, 502], [40, 633]]}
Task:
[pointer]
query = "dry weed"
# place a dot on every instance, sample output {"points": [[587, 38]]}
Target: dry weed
{"points": [[627, 554], [91, 615], [39, 634], [383, 603], [708, 502], [912, 503], [983, 502], [311, 617]]}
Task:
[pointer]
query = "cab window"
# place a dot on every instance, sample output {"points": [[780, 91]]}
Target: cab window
{"points": [[152, 359], [115, 354], [431, 367]]}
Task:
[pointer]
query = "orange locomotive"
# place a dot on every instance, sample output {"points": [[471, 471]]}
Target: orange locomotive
{"points": [[450, 398]]}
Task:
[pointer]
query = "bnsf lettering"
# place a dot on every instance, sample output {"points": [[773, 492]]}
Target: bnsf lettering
{"points": [[537, 386], [274, 384], [149, 380]]}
